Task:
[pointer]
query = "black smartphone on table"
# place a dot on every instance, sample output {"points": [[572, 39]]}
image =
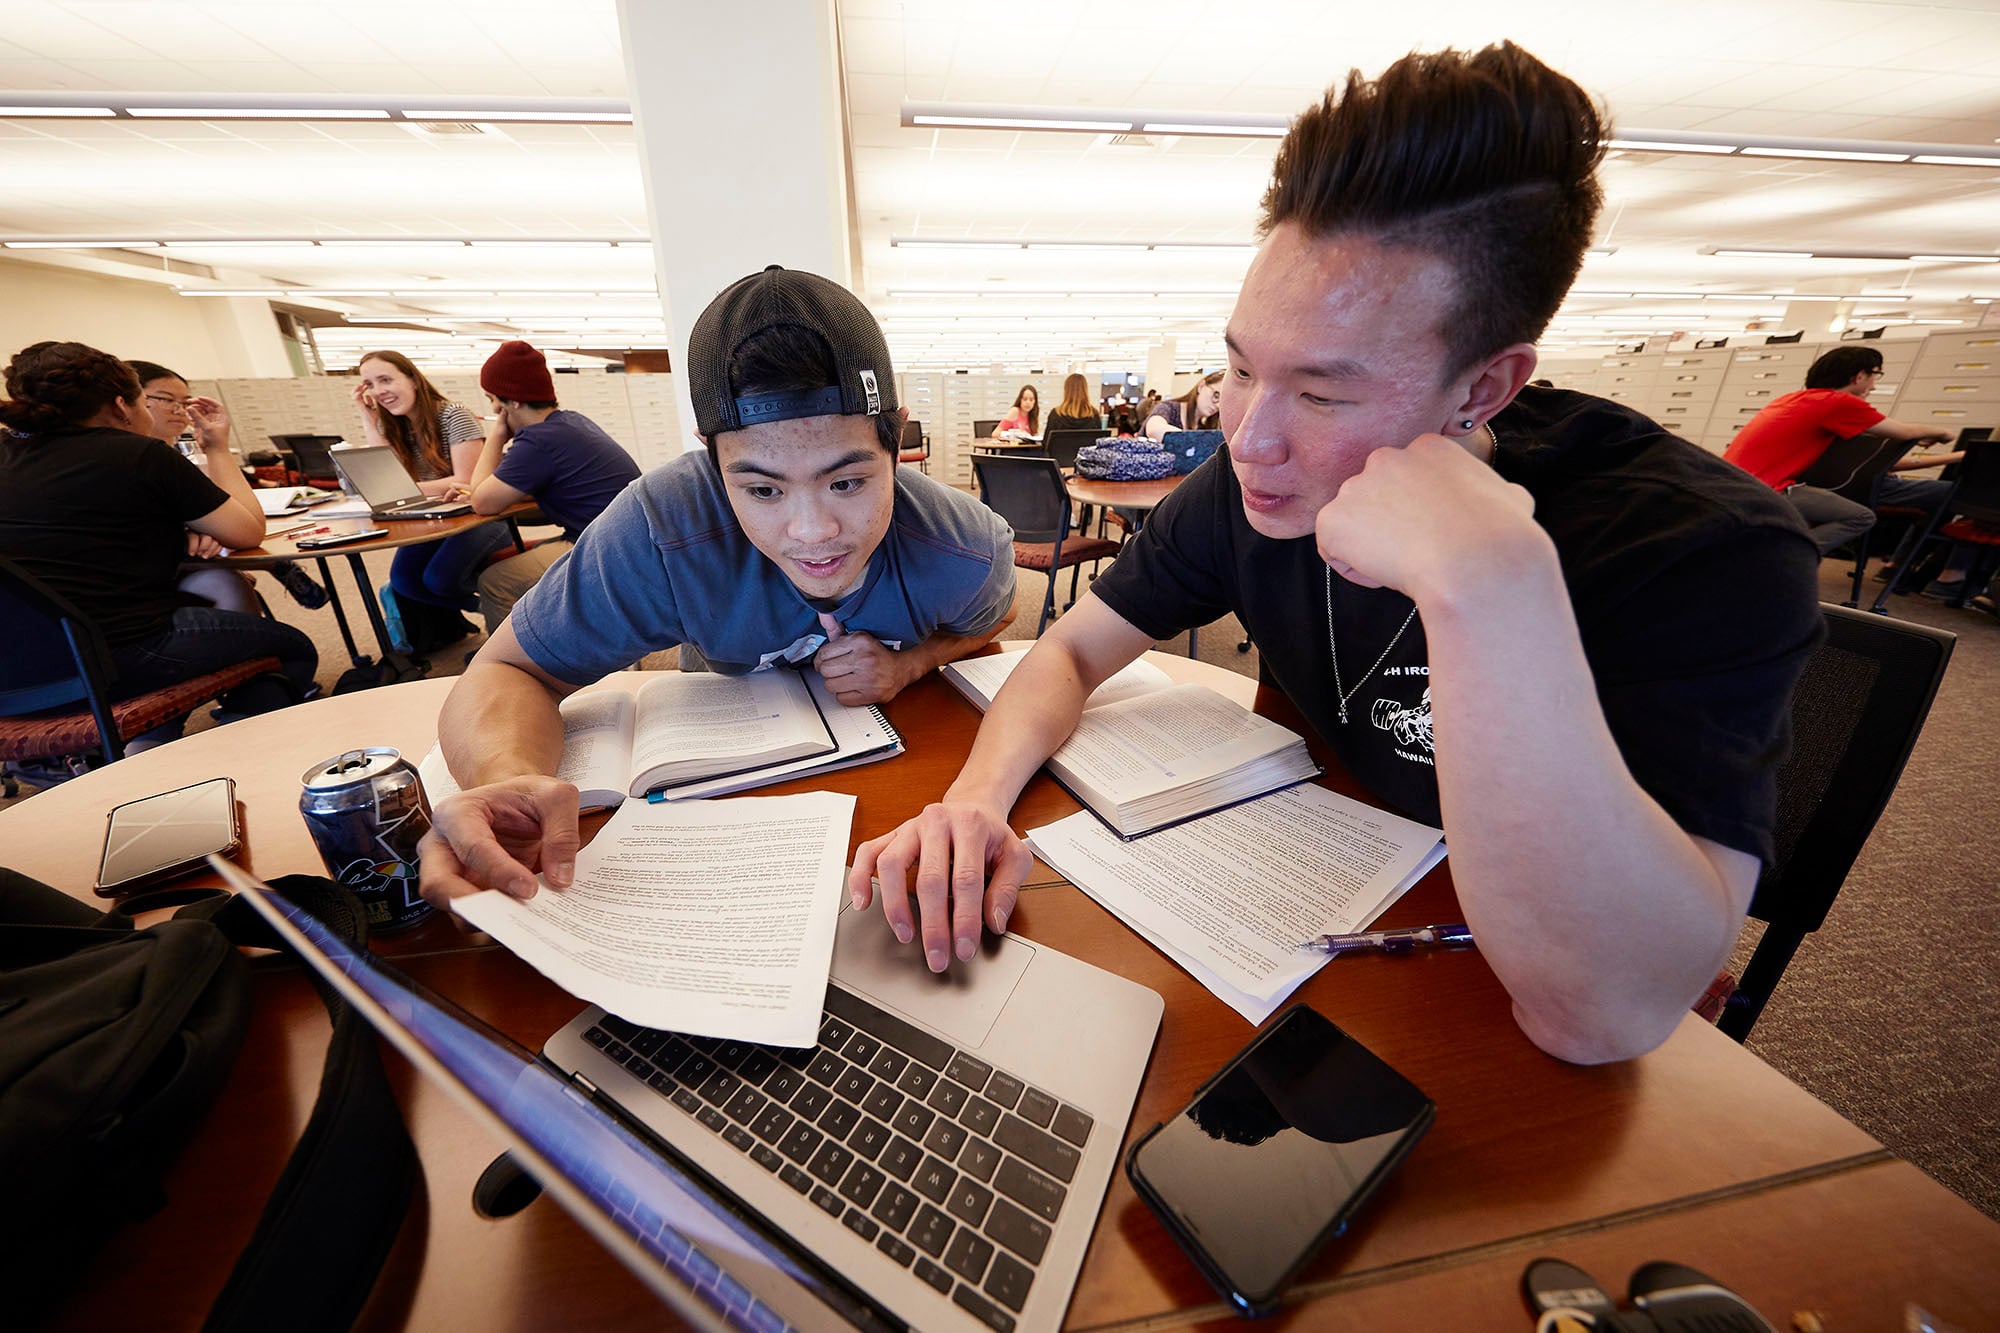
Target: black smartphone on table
{"points": [[1276, 1153], [157, 837]]}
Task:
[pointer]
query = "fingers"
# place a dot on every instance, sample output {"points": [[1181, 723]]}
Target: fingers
{"points": [[441, 875], [1003, 888], [560, 839], [830, 625], [861, 876], [934, 885]]}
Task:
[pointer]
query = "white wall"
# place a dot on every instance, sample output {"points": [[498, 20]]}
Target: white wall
{"points": [[130, 319]]}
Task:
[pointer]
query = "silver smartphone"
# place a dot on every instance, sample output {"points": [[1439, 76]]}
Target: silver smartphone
{"points": [[157, 837]]}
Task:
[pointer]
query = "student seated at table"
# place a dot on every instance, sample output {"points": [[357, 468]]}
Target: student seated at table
{"points": [[174, 411], [439, 442], [1194, 410], [793, 540], [1550, 582], [537, 450], [1077, 411], [99, 509], [1025, 415]]}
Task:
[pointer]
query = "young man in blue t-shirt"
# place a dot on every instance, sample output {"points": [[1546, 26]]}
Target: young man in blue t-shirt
{"points": [[536, 450], [793, 540]]}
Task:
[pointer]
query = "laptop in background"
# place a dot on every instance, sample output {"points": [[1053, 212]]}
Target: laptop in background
{"points": [[1190, 448], [380, 478], [937, 1161]]}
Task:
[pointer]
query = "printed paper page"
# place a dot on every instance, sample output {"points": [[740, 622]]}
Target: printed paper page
{"points": [[1165, 739], [1230, 896], [711, 917], [985, 675], [690, 715], [860, 735]]}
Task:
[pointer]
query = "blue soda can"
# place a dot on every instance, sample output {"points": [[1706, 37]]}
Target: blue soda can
{"points": [[367, 811]]}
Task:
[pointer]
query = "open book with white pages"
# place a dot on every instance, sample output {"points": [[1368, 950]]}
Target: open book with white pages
{"points": [[1148, 754], [675, 735]]}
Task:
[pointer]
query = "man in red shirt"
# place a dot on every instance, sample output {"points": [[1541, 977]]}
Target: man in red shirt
{"points": [[1790, 434]]}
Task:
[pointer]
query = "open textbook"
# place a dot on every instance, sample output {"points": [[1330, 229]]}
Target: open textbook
{"points": [[1232, 896], [1148, 753], [712, 917], [687, 734]]}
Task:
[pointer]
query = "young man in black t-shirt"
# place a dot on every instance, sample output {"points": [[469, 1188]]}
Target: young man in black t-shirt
{"points": [[1534, 616]]}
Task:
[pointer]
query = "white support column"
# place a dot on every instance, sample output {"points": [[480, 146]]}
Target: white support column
{"points": [[1160, 367], [742, 142], [245, 333]]}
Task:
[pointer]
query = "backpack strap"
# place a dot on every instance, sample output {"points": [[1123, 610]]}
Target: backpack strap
{"points": [[330, 1222]]}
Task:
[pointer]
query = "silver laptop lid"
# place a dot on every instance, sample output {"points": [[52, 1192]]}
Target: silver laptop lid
{"points": [[713, 1268], [378, 475]]}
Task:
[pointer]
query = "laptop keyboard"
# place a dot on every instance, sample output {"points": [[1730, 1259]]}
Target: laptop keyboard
{"points": [[952, 1168]]}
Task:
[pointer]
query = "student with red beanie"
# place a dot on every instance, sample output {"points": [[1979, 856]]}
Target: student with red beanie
{"points": [[535, 450]]}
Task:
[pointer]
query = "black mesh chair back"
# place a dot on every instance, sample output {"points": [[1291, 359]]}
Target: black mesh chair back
{"points": [[311, 455], [983, 430], [1978, 493], [1975, 499], [1856, 714], [1062, 445], [1027, 491], [49, 650]]}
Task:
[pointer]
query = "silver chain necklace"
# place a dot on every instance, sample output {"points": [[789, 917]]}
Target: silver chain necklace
{"points": [[1338, 693], [1333, 650]]}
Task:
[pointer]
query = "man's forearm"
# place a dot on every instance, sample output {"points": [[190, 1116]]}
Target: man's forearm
{"points": [[1034, 713], [938, 649], [489, 456], [499, 722], [1599, 914]]}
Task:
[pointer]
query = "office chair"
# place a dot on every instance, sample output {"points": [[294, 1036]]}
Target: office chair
{"points": [[56, 657], [983, 430], [916, 446], [1029, 494], [1062, 445], [1856, 713], [311, 457], [1971, 515]]}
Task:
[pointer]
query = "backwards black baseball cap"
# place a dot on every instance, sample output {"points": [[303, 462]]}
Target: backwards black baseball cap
{"points": [[763, 301]]}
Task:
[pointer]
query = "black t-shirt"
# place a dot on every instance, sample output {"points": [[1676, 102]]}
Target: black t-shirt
{"points": [[99, 515], [1694, 586]]}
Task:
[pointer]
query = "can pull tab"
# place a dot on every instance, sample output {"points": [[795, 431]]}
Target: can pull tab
{"points": [[350, 761]]}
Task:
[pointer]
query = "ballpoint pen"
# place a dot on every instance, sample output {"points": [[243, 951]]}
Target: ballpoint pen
{"points": [[1406, 940]]}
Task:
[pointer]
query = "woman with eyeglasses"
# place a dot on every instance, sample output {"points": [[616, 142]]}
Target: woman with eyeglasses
{"points": [[93, 504], [439, 442], [175, 412]]}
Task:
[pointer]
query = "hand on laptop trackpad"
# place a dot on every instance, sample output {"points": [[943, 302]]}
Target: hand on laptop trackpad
{"points": [[961, 1003]]}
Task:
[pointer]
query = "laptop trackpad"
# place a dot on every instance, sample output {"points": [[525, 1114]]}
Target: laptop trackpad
{"points": [[962, 1004]]}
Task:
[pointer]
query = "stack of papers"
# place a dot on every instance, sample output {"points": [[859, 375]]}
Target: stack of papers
{"points": [[1231, 896]]}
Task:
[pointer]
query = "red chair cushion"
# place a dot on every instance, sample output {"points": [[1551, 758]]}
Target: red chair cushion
{"points": [[40, 735], [1075, 551], [1968, 530], [913, 456]]}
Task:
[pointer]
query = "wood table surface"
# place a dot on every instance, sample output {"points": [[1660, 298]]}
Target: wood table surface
{"points": [[399, 532], [1698, 1152], [1141, 495]]}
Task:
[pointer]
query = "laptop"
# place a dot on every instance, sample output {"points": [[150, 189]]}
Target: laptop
{"points": [[1190, 448], [380, 478], [937, 1161]]}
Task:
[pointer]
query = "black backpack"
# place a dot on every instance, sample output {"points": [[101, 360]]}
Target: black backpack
{"points": [[113, 1044]]}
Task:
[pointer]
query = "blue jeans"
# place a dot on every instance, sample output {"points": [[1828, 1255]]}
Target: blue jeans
{"points": [[201, 639], [446, 573]]}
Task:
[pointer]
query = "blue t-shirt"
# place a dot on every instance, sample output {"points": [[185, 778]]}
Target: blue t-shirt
{"points": [[570, 466], [667, 563]]}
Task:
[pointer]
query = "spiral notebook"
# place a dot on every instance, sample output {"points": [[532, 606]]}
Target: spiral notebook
{"points": [[599, 745]]}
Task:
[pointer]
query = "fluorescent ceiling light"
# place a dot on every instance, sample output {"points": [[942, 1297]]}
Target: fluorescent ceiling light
{"points": [[344, 243], [1832, 154], [563, 245], [1218, 247], [235, 245], [1085, 245], [906, 244], [1956, 259], [1669, 146], [548, 117], [1762, 254], [81, 244], [1234, 129], [255, 113], [307, 292], [1955, 160], [1602, 250], [61, 112], [1020, 122]]}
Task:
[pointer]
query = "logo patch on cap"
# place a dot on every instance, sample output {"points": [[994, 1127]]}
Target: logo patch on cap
{"points": [[868, 386]]}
